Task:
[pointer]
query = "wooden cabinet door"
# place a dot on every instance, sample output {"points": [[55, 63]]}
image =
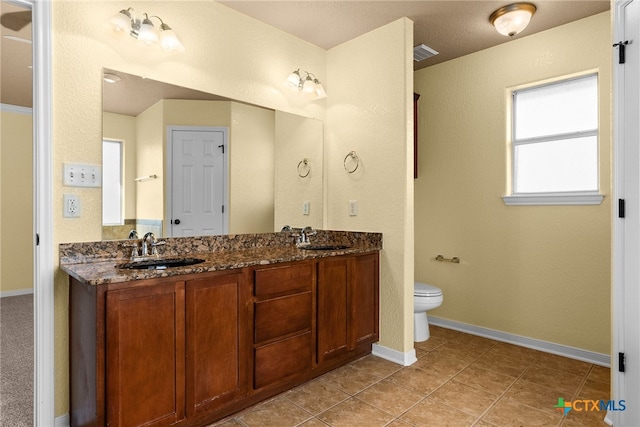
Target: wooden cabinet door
{"points": [[216, 343], [365, 299], [333, 296], [145, 355]]}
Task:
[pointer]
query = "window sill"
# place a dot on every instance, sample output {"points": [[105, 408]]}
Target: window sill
{"points": [[547, 199]]}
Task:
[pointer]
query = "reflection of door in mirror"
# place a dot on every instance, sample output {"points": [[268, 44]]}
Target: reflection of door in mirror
{"points": [[197, 193]]}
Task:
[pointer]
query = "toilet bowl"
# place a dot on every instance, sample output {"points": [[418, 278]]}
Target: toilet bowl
{"points": [[425, 297]]}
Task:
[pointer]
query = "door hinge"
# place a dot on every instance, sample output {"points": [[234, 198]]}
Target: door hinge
{"points": [[621, 48], [221, 146], [37, 239], [222, 208], [620, 208], [620, 362]]}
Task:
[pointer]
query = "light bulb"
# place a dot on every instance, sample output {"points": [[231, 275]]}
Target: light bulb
{"points": [[320, 90], [147, 33], [309, 87], [168, 39], [121, 22], [293, 81]]}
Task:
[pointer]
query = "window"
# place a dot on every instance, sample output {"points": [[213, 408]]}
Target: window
{"points": [[112, 182], [555, 143]]}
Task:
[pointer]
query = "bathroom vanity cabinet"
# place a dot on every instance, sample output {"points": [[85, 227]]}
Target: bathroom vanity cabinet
{"points": [[191, 349]]}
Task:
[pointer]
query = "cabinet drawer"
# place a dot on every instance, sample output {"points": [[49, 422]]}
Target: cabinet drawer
{"points": [[274, 362], [282, 316], [283, 279]]}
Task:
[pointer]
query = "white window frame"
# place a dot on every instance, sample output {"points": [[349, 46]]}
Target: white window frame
{"points": [[556, 197], [122, 195]]}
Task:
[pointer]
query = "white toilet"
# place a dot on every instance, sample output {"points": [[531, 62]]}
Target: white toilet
{"points": [[425, 297]]}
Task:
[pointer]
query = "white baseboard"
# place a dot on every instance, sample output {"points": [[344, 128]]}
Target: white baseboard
{"points": [[16, 292], [395, 356], [549, 347], [62, 421]]}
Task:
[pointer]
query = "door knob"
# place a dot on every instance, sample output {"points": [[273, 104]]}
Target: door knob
{"points": [[176, 221]]}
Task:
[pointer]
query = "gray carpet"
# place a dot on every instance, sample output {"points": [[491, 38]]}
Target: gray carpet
{"points": [[16, 361]]}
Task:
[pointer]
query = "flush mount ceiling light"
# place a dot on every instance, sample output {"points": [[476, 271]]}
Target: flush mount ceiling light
{"points": [[308, 84], [143, 30], [512, 19], [110, 78]]}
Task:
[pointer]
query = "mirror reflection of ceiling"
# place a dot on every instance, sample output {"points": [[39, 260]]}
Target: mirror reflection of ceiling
{"points": [[15, 55], [116, 97], [453, 28]]}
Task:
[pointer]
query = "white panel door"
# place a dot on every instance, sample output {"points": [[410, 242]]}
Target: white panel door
{"points": [[198, 182]]}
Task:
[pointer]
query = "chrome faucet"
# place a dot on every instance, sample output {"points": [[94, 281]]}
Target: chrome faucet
{"points": [[150, 245], [303, 236]]}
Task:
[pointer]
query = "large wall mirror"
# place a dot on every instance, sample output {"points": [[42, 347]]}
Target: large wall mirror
{"points": [[270, 161]]}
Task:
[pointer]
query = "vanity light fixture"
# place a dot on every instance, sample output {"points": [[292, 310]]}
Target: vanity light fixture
{"points": [[308, 84], [144, 31], [512, 19]]}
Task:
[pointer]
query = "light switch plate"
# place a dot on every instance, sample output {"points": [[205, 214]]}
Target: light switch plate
{"points": [[306, 207], [353, 207], [82, 175]]}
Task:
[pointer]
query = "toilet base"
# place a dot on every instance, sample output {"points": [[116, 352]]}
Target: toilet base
{"points": [[420, 327]]}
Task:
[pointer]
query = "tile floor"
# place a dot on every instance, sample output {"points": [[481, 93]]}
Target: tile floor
{"points": [[458, 380]]}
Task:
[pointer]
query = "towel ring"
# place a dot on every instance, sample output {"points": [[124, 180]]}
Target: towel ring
{"points": [[355, 158], [305, 163]]}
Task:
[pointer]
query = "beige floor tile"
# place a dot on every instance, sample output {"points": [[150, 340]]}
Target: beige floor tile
{"points": [[561, 381], [398, 423], [227, 423], [389, 397], [349, 379], [584, 419], [475, 349], [507, 413], [420, 353], [355, 412], [443, 362], [431, 344], [553, 361], [432, 412], [484, 379], [515, 352], [480, 343], [316, 396], [600, 374], [313, 422], [465, 398], [418, 380], [535, 396], [446, 334], [501, 363], [452, 352], [278, 412], [376, 366]]}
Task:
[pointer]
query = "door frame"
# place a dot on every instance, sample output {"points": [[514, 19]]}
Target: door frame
{"points": [[625, 337], [43, 253], [168, 187]]}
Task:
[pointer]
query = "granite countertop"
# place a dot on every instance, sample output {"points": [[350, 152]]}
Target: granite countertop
{"points": [[93, 266]]}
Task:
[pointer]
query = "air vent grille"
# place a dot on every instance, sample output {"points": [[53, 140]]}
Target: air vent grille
{"points": [[422, 52]]}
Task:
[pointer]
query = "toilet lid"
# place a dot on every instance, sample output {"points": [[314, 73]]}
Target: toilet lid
{"points": [[422, 289]]}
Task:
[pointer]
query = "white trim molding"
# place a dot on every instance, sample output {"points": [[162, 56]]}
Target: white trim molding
{"points": [[552, 199], [8, 108], [62, 421], [16, 292], [546, 346], [395, 356]]}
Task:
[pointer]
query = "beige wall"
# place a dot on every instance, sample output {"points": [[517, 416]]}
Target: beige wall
{"points": [[368, 110], [123, 128], [298, 138], [538, 271], [150, 136], [16, 201], [226, 53]]}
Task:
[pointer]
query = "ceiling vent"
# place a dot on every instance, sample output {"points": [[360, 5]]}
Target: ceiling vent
{"points": [[422, 52]]}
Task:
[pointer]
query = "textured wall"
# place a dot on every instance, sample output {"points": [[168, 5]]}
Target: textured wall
{"points": [[226, 53], [538, 271], [16, 201], [298, 138], [367, 111]]}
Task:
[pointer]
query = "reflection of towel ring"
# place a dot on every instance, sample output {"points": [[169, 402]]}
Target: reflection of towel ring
{"points": [[355, 158], [304, 162]]}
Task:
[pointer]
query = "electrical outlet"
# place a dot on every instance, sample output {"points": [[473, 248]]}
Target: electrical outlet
{"points": [[82, 175], [306, 206], [71, 208]]}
